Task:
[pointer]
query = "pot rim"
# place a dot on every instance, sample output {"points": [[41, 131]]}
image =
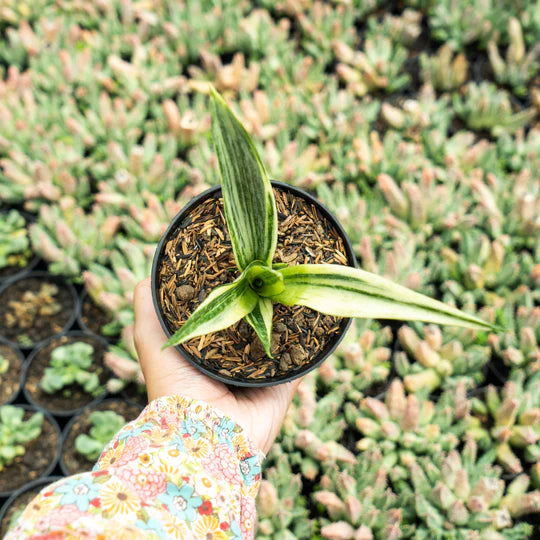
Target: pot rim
{"points": [[82, 297], [69, 426], [59, 412], [52, 277], [53, 463], [193, 361]]}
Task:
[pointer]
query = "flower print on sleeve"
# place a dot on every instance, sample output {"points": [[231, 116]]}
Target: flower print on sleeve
{"points": [[181, 470]]}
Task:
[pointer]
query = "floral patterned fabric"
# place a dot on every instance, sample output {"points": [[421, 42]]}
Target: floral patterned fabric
{"points": [[181, 470]]}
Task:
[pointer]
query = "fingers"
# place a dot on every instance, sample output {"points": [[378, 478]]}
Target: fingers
{"points": [[165, 371]]}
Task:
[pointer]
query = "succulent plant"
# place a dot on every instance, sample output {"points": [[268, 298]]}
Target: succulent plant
{"points": [[71, 364], [434, 359], [444, 70], [485, 107], [70, 239], [460, 22], [460, 495], [14, 244], [511, 419], [112, 288], [520, 66], [104, 425], [404, 426], [519, 345], [404, 29], [16, 432], [282, 511], [359, 502], [378, 66]]}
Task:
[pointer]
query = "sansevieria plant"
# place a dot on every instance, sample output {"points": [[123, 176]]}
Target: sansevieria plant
{"points": [[251, 216]]}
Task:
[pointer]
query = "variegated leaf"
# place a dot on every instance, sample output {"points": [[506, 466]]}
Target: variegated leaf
{"points": [[224, 306], [350, 292], [260, 320], [248, 199]]}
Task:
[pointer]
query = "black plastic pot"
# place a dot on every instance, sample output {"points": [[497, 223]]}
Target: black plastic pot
{"points": [[60, 281], [102, 406], [69, 412], [32, 263], [39, 482], [54, 462], [215, 192], [19, 353]]}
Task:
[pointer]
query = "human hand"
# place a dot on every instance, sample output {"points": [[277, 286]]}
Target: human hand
{"points": [[260, 411]]}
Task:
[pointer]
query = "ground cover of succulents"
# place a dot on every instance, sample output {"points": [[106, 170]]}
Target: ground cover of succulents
{"points": [[415, 122]]}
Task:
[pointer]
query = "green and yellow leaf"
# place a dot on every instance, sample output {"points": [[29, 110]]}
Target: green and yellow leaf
{"points": [[350, 292], [224, 306], [248, 199], [260, 320]]}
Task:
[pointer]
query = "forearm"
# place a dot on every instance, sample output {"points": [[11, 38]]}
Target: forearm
{"points": [[181, 469]]}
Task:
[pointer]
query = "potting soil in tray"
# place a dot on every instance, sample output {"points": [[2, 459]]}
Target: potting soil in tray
{"points": [[26, 319], [199, 258], [38, 456], [77, 396], [75, 462], [10, 380]]}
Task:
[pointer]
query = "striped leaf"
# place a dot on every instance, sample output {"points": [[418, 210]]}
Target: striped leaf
{"points": [[260, 320], [350, 292], [224, 306], [248, 199]]}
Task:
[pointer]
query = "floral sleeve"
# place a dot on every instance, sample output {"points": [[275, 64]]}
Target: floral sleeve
{"points": [[180, 470]]}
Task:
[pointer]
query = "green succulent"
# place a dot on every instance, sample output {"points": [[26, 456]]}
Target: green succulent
{"points": [[509, 420], [444, 70], [105, 425], [14, 244], [70, 364], [460, 495], [435, 359], [404, 426], [520, 66], [281, 508], [357, 499], [16, 432], [485, 107]]}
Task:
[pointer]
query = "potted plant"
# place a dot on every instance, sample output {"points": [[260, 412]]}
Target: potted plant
{"points": [[35, 307], [86, 435], [93, 318], [29, 446], [11, 363], [66, 373], [267, 255], [15, 252]]}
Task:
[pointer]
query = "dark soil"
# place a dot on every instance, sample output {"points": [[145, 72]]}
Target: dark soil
{"points": [[77, 396], [36, 326], [75, 462], [19, 504], [10, 380], [38, 456], [93, 317], [198, 257]]}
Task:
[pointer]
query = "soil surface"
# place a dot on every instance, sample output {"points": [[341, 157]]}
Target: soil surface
{"points": [[36, 325], [39, 454], [77, 396], [75, 462], [93, 316], [198, 257], [11, 379]]}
